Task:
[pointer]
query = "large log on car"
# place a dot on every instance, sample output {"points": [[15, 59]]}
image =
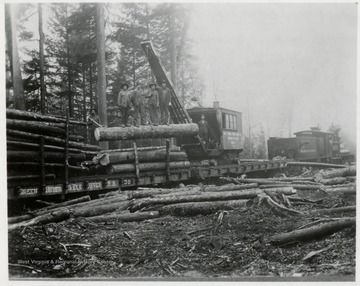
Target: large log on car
{"points": [[54, 216], [35, 146], [196, 208], [145, 131], [206, 196], [36, 126], [33, 156], [125, 217], [49, 139], [30, 177], [26, 115], [313, 232], [147, 156], [144, 167], [149, 148]]}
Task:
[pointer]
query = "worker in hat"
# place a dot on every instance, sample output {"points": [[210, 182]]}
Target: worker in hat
{"points": [[93, 123], [164, 102], [138, 102], [124, 103], [153, 104]]}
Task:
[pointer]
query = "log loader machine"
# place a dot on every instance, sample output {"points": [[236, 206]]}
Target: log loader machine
{"points": [[226, 138]]}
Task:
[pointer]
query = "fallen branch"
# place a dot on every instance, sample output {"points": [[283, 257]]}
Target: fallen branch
{"points": [[125, 217], [196, 208], [313, 232], [55, 216], [334, 210]]}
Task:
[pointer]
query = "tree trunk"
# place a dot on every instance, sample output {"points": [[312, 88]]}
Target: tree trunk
{"points": [[145, 131], [311, 233], [153, 192], [343, 172], [19, 98], [42, 61], [203, 197], [53, 140], [263, 181], [314, 164], [148, 156], [140, 149], [30, 177], [334, 210], [196, 208], [126, 217], [47, 165], [297, 187], [32, 116], [47, 209], [229, 187], [100, 209], [333, 181], [36, 127], [101, 86], [26, 145], [32, 156], [345, 190], [56, 216], [145, 167]]}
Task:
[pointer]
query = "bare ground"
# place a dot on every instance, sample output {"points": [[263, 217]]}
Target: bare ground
{"points": [[198, 247]]}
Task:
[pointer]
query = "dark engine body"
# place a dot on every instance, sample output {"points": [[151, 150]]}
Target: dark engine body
{"points": [[310, 145]]}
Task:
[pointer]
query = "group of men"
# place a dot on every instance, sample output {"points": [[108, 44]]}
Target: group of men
{"points": [[135, 105]]}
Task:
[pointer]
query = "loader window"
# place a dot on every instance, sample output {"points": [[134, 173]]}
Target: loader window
{"points": [[229, 121]]}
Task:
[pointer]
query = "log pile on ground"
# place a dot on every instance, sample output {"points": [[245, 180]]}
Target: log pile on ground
{"points": [[261, 214], [32, 136]]}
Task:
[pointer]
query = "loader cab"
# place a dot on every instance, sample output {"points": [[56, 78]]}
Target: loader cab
{"points": [[225, 134]]}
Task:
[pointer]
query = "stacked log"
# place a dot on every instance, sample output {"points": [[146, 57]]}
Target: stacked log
{"points": [[137, 160], [37, 144]]}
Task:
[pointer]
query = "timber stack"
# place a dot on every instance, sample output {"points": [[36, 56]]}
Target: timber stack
{"points": [[142, 159], [43, 146]]}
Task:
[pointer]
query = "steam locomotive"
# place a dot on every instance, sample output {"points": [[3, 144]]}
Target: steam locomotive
{"points": [[312, 145]]}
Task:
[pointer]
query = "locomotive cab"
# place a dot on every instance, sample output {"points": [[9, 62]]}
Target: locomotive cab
{"points": [[225, 136]]}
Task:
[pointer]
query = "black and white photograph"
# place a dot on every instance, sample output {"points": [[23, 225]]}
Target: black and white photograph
{"points": [[180, 141]]}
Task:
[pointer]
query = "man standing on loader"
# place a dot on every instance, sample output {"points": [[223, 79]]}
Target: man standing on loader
{"points": [[153, 104], [124, 103], [137, 100], [165, 101]]}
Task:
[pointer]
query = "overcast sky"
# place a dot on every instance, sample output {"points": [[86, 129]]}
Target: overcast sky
{"points": [[280, 58]]}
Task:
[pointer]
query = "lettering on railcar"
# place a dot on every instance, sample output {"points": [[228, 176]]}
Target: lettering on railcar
{"points": [[75, 187], [53, 189], [28, 192], [94, 186]]}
